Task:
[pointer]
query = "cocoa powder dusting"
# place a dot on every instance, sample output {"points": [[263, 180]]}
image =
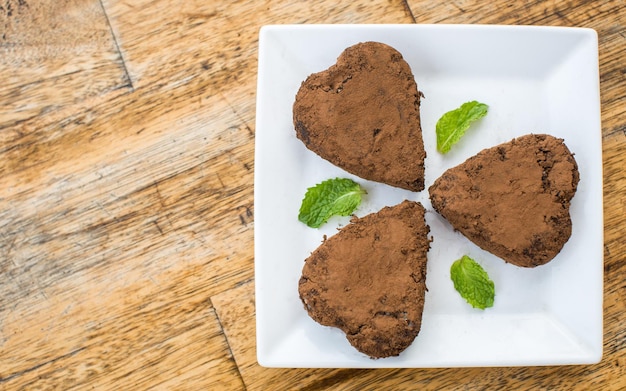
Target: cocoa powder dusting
{"points": [[513, 199], [362, 114], [369, 279]]}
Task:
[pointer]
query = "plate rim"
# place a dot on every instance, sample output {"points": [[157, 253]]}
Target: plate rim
{"points": [[262, 358]]}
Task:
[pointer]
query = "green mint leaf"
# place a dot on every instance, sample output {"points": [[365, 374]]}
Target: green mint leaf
{"points": [[339, 196], [453, 124], [472, 282]]}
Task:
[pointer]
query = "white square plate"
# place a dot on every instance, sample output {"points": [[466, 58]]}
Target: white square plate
{"points": [[535, 80]]}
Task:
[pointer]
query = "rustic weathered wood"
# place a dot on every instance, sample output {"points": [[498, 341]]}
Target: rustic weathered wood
{"points": [[54, 53], [235, 309], [126, 194], [108, 225]]}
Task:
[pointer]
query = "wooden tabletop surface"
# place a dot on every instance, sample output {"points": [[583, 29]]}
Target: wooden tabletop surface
{"points": [[126, 195]]}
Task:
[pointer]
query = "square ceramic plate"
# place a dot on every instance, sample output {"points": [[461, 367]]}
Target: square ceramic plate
{"points": [[535, 80]]}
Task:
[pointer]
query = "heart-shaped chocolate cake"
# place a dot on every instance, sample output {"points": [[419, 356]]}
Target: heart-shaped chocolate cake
{"points": [[369, 279], [362, 114], [512, 200]]}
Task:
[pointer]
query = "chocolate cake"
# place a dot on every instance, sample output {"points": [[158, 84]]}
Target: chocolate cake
{"points": [[362, 114], [369, 279], [513, 199]]}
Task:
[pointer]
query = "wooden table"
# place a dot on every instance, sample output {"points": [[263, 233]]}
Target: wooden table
{"points": [[126, 195]]}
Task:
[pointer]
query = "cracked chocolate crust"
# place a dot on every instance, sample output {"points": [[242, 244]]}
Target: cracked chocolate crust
{"points": [[362, 114], [369, 279], [512, 200]]}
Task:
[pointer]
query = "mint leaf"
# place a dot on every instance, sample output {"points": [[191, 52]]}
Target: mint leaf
{"points": [[453, 124], [472, 282], [339, 196]]}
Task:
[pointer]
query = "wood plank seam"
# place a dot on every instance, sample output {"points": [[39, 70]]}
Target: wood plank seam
{"points": [[222, 331], [117, 47], [26, 121], [37, 366], [408, 10], [239, 117], [606, 133]]}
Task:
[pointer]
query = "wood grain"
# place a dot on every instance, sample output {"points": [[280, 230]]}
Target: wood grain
{"points": [[218, 39], [47, 44], [235, 309], [126, 194], [164, 230]]}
